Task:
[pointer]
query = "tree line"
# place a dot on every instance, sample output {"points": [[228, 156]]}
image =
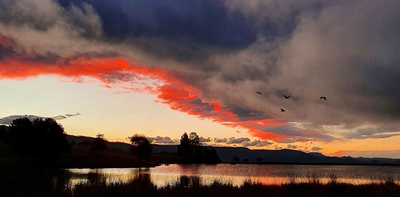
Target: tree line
{"points": [[38, 142], [190, 150], [43, 142]]}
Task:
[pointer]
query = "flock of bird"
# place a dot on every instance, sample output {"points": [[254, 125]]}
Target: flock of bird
{"points": [[287, 97]]}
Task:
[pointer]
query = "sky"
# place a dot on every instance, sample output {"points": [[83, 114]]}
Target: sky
{"points": [[161, 68]]}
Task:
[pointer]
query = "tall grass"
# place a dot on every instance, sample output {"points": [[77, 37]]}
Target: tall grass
{"points": [[44, 184], [192, 186], [333, 177], [292, 177]]}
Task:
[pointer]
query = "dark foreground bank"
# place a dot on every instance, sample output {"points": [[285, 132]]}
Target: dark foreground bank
{"points": [[29, 182]]}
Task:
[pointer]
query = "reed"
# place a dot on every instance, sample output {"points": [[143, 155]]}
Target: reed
{"points": [[333, 177], [141, 185]]}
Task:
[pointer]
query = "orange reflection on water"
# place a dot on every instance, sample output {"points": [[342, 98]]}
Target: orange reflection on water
{"points": [[236, 175]]}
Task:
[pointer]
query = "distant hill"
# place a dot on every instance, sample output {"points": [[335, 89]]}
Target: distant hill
{"points": [[268, 156], [80, 139]]}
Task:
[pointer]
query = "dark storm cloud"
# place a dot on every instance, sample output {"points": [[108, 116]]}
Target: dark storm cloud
{"points": [[5, 52], [375, 133], [245, 114], [332, 53], [182, 22], [294, 133], [47, 15], [228, 50]]}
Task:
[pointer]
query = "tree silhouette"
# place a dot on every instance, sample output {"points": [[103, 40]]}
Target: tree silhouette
{"points": [[196, 148], [41, 139], [23, 138], [141, 147], [194, 139], [211, 157], [4, 136], [99, 144], [4, 139], [184, 147], [190, 148]]}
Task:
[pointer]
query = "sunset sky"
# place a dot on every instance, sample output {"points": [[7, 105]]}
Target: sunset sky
{"points": [[161, 68]]}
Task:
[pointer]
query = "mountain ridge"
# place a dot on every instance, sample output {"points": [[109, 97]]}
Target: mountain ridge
{"points": [[246, 155]]}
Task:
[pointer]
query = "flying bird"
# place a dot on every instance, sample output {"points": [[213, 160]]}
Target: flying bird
{"points": [[282, 110], [322, 97], [259, 93], [286, 97]]}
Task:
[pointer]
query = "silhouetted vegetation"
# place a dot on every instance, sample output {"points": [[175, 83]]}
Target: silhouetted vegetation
{"points": [[184, 149], [191, 186], [33, 182], [85, 142], [210, 156], [22, 181], [4, 142], [191, 150], [196, 148], [57, 183], [141, 147], [3, 132], [99, 144], [40, 142]]}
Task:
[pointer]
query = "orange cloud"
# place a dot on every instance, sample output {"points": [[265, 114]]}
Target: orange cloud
{"points": [[113, 71], [340, 153]]}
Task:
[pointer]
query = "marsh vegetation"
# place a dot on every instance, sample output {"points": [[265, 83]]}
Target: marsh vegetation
{"points": [[96, 183]]}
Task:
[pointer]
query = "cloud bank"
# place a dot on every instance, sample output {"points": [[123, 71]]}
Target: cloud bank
{"points": [[241, 141], [368, 153], [208, 58]]}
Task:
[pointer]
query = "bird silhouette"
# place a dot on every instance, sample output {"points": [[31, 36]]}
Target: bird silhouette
{"points": [[286, 97], [259, 93], [282, 110], [322, 97]]}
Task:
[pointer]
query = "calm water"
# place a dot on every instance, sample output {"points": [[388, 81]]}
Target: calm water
{"points": [[237, 174]]}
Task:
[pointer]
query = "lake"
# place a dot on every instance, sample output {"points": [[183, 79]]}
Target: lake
{"points": [[237, 174]]}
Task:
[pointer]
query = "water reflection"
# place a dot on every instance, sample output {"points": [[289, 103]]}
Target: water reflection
{"points": [[167, 180], [96, 178], [192, 181], [195, 175], [189, 169]]}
